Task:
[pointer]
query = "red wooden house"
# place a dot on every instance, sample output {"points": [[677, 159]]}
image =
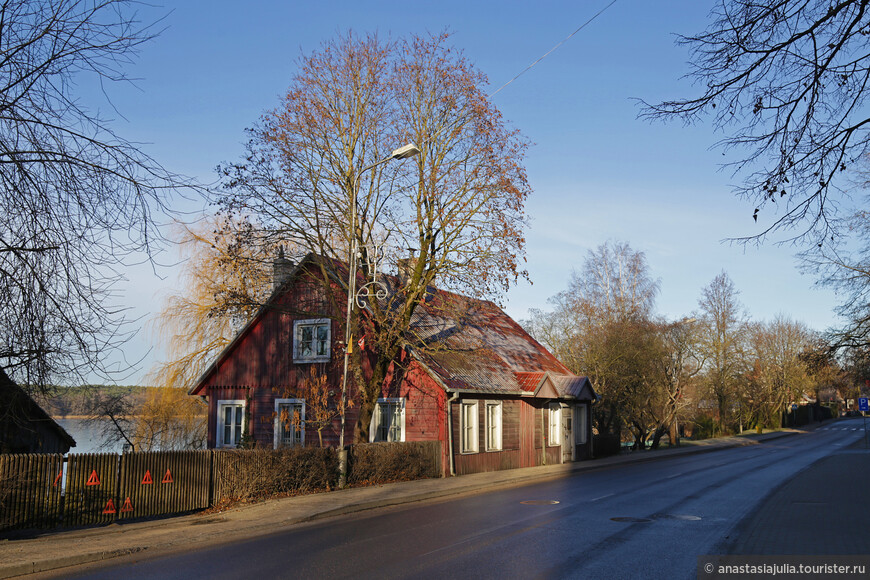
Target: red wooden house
{"points": [[471, 378]]}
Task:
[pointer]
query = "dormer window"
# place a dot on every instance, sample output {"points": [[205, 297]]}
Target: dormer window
{"points": [[311, 340]]}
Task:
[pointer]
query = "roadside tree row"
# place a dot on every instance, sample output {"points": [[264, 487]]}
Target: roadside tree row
{"points": [[713, 371]]}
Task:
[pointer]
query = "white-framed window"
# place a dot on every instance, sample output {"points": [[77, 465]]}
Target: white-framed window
{"points": [[579, 424], [388, 420], [311, 340], [554, 436], [289, 422], [468, 433], [230, 422], [493, 425]]}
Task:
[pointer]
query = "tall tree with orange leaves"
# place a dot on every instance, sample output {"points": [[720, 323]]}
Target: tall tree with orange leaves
{"points": [[455, 211]]}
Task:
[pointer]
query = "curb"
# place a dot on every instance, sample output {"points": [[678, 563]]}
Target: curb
{"points": [[63, 562]]}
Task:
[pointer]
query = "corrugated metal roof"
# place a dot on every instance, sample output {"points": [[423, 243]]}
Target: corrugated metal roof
{"points": [[573, 386], [530, 381], [474, 345]]}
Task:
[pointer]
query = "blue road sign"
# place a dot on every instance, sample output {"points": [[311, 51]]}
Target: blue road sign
{"points": [[863, 404]]}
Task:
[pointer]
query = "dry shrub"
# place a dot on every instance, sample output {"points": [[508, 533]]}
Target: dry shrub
{"points": [[373, 463], [258, 473]]}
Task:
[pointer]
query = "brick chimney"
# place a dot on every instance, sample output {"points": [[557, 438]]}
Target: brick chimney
{"points": [[281, 269]]}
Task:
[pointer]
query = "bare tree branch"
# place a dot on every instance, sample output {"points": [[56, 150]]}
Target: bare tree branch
{"points": [[75, 198], [786, 81]]}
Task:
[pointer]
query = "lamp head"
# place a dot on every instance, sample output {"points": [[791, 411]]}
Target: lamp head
{"points": [[404, 152]]}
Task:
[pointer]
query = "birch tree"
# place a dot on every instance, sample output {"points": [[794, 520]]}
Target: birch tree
{"points": [[722, 337], [603, 326]]}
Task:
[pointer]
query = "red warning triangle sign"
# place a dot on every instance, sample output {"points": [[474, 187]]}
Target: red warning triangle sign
{"points": [[127, 507], [167, 478], [93, 479], [147, 479], [110, 507]]}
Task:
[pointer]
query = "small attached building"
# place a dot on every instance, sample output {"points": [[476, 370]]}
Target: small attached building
{"points": [[469, 377]]}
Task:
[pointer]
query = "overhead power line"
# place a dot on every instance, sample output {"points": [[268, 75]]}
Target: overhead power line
{"points": [[582, 26]]}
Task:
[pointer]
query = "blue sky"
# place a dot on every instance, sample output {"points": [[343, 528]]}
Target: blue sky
{"points": [[598, 173]]}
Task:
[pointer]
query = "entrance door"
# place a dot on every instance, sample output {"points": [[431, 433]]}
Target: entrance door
{"points": [[527, 435], [568, 424], [580, 430]]}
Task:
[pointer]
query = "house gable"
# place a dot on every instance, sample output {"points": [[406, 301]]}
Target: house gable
{"points": [[547, 390], [262, 353]]}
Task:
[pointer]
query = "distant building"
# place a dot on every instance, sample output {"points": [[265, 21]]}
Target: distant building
{"points": [[24, 426]]}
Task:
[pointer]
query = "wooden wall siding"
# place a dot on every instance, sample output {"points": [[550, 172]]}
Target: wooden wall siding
{"points": [[554, 455], [425, 405], [261, 414], [510, 420], [30, 491], [263, 356], [487, 461], [518, 443], [424, 411], [262, 363], [91, 489], [163, 482]]}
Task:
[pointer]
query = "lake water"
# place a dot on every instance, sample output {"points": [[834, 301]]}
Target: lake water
{"points": [[88, 436]]}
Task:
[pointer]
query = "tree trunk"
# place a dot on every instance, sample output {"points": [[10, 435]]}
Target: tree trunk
{"points": [[370, 398], [674, 434], [657, 436]]}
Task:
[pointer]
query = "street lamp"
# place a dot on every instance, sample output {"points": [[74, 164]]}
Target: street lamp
{"points": [[404, 152]]}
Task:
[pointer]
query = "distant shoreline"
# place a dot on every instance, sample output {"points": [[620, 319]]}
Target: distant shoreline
{"points": [[86, 417]]}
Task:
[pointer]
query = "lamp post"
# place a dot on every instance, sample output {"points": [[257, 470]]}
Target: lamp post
{"points": [[404, 152]]}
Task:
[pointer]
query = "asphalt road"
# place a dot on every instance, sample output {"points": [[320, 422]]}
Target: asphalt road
{"points": [[644, 520]]}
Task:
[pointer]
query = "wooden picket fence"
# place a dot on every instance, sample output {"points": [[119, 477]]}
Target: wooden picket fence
{"points": [[164, 482], [30, 490], [36, 491]]}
